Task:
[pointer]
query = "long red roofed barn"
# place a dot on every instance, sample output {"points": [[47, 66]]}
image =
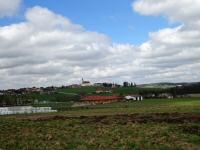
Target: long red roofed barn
{"points": [[101, 99]]}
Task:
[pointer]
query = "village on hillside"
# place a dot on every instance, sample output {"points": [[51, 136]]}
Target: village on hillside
{"points": [[87, 93]]}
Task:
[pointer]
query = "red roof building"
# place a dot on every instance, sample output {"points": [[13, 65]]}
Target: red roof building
{"points": [[101, 99]]}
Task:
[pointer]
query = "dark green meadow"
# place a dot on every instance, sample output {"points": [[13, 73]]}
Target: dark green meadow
{"points": [[146, 125]]}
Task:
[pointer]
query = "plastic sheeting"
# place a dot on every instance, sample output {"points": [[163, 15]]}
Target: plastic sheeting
{"points": [[24, 110]]}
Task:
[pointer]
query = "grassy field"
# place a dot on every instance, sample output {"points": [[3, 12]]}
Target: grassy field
{"points": [[191, 105], [78, 90], [149, 124], [135, 90]]}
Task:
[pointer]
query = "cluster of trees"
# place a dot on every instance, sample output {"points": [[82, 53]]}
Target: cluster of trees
{"points": [[15, 100], [58, 97], [153, 92], [110, 85], [186, 89], [127, 84], [175, 92], [31, 98]]}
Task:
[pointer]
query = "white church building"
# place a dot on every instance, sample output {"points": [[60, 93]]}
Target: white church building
{"points": [[86, 83]]}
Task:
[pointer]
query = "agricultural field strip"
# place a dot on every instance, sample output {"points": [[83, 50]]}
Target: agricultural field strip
{"points": [[137, 117], [67, 93]]}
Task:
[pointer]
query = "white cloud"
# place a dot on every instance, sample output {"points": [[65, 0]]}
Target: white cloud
{"points": [[173, 52], [181, 10], [9, 7], [48, 49]]}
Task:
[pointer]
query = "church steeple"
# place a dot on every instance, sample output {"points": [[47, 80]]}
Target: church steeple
{"points": [[82, 80]]}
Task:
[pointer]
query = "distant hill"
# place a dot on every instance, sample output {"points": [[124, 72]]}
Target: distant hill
{"points": [[165, 85]]}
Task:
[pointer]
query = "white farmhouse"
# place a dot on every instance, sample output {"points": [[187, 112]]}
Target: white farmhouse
{"points": [[134, 97]]}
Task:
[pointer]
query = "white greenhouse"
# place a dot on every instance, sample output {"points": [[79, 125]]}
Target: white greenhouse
{"points": [[24, 110]]}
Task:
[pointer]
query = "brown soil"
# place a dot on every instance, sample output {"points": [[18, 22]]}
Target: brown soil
{"points": [[125, 118], [191, 129]]}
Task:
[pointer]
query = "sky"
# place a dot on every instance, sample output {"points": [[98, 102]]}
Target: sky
{"points": [[118, 20], [48, 42]]}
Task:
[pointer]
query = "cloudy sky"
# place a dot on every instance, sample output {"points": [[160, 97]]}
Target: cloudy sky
{"points": [[48, 42]]}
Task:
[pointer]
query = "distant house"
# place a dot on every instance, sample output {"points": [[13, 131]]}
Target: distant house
{"points": [[134, 97], [100, 91], [34, 89], [86, 83], [100, 99], [166, 95], [98, 84], [74, 86], [194, 95]]}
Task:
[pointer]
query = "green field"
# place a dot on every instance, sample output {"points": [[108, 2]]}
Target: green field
{"points": [[78, 90], [120, 90], [149, 124], [146, 106]]}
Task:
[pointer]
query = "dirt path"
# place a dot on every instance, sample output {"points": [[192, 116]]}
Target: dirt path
{"points": [[123, 119]]}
